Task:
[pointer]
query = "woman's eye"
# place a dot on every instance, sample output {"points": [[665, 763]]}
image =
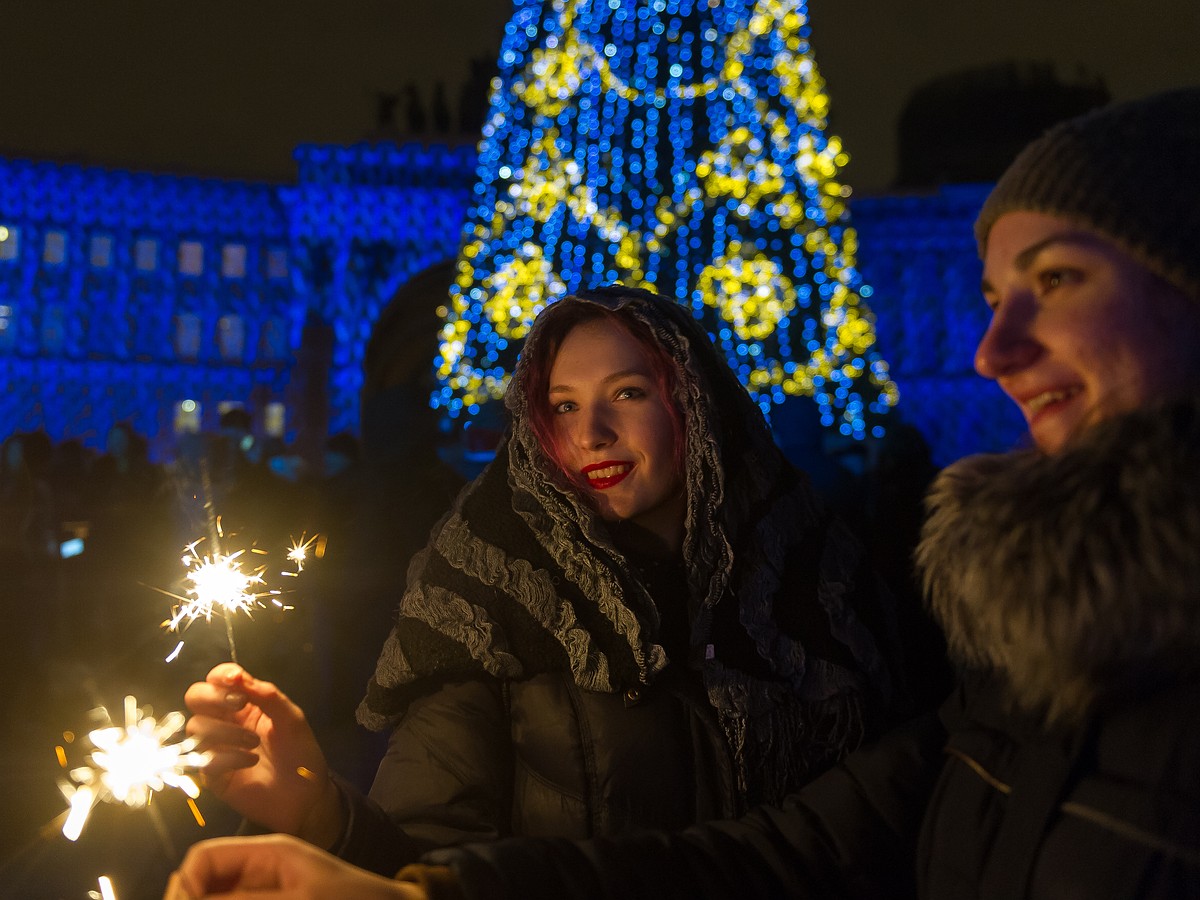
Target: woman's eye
{"points": [[1050, 279], [565, 406], [630, 393]]}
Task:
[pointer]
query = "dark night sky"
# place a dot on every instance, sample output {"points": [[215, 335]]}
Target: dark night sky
{"points": [[229, 87]]}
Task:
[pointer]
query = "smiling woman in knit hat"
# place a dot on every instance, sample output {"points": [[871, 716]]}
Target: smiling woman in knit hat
{"points": [[1066, 576], [1091, 249]]}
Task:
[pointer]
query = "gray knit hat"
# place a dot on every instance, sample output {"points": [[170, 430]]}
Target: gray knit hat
{"points": [[1130, 171]]}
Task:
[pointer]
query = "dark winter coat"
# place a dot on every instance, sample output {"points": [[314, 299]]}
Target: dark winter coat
{"points": [[1066, 766], [541, 681], [481, 760]]}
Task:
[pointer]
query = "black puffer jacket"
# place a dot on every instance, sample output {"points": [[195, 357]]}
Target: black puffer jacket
{"points": [[1067, 767], [482, 760], [974, 805], [1108, 808]]}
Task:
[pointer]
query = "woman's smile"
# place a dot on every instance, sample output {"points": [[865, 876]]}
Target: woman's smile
{"points": [[603, 475]]}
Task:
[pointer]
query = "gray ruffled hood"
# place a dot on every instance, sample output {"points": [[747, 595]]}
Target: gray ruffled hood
{"points": [[1078, 574]]}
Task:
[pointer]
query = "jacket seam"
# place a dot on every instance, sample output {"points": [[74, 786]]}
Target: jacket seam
{"points": [[1097, 817], [977, 767], [587, 754], [1131, 832]]}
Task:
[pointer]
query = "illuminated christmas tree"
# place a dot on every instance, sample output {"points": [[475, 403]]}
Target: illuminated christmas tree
{"points": [[677, 145]]}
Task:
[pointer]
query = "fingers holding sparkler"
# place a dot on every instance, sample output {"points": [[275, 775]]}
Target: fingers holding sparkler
{"points": [[265, 760], [276, 866]]}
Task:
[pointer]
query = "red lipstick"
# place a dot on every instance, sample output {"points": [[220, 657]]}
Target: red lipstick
{"points": [[606, 474]]}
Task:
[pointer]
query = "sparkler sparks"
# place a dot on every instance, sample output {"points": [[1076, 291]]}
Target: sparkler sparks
{"points": [[298, 553], [130, 764], [216, 583]]}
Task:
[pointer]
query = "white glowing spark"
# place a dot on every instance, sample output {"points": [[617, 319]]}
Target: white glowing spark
{"points": [[215, 583], [131, 763], [299, 552]]}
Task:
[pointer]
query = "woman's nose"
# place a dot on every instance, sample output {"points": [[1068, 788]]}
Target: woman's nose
{"points": [[595, 429], [1008, 345]]}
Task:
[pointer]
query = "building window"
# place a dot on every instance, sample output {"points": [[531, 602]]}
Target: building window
{"points": [[100, 252], [145, 254], [187, 336], [231, 337], [277, 263], [8, 327], [273, 340], [187, 417], [233, 261], [54, 329], [191, 258], [54, 248], [10, 240], [274, 419]]}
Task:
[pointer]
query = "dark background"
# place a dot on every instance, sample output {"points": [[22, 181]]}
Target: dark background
{"points": [[230, 87]]}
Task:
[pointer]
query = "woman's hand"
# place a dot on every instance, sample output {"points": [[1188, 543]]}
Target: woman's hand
{"points": [[265, 761], [276, 865]]}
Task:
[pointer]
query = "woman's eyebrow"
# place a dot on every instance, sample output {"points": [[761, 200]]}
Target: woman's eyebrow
{"points": [[1025, 258], [615, 376]]}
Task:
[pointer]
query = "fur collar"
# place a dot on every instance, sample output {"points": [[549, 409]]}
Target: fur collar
{"points": [[1075, 575]]}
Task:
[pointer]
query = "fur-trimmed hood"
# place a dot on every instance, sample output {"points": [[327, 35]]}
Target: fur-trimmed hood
{"points": [[1077, 574]]}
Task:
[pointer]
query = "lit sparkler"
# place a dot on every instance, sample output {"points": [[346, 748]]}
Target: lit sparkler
{"points": [[130, 764], [216, 582]]}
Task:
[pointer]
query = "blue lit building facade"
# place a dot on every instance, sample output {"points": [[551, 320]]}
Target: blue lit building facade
{"points": [[157, 299]]}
